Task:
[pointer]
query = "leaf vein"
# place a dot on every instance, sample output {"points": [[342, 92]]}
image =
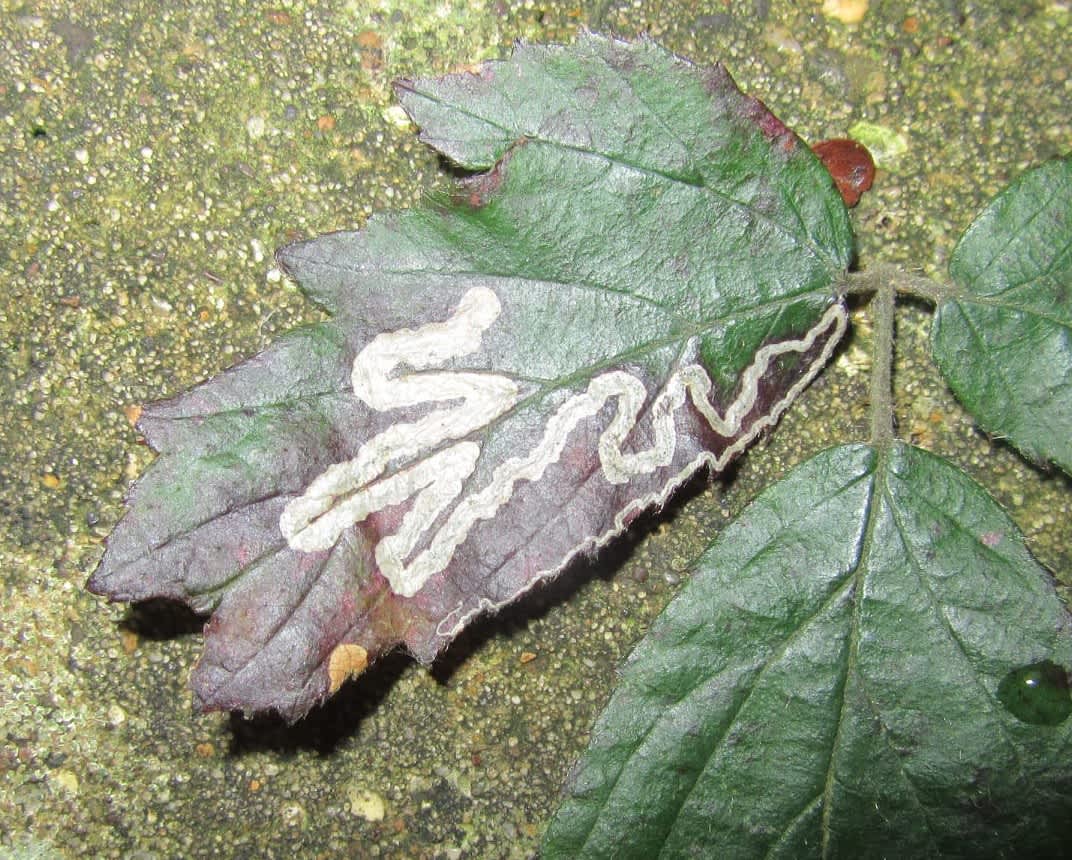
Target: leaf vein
{"points": [[808, 244]]}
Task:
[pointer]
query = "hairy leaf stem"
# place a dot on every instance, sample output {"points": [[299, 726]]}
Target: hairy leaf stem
{"points": [[883, 282], [874, 278], [882, 364]]}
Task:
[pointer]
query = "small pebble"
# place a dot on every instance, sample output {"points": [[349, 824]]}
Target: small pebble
{"points": [[397, 116], [255, 127], [885, 144], [368, 805], [845, 11], [66, 780]]}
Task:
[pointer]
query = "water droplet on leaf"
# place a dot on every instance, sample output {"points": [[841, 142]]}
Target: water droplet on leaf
{"points": [[1037, 693]]}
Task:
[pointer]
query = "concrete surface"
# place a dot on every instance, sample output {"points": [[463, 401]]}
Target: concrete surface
{"points": [[150, 162]]}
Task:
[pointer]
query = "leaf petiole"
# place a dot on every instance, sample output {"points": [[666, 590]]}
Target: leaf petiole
{"points": [[882, 366]]}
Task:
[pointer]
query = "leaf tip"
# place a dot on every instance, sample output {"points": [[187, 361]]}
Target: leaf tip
{"points": [[288, 257], [95, 584], [104, 581]]}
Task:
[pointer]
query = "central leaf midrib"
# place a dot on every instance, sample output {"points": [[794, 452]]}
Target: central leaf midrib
{"points": [[997, 303], [696, 327], [856, 578], [880, 497]]}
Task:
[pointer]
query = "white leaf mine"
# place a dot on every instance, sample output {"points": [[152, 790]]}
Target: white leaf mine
{"points": [[347, 493]]}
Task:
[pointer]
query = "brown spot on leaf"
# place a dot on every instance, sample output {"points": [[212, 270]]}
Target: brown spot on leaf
{"points": [[772, 127], [346, 661], [477, 190]]}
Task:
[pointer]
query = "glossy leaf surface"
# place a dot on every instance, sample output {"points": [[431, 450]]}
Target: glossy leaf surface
{"points": [[638, 286], [1005, 343], [834, 680]]}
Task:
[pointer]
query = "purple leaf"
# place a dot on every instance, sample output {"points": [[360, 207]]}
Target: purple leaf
{"points": [[638, 288]]}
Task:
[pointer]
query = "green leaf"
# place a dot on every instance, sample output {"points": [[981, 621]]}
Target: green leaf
{"points": [[867, 662], [1005, 343], [638, 287]]}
